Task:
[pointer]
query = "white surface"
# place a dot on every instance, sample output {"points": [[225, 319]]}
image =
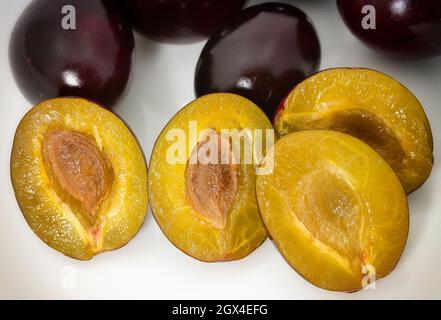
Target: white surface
{"points": [[150, 266]]}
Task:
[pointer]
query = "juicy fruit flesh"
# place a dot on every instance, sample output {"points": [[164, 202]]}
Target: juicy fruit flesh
{"points": [[79, 177], [331, 210], [79, 171], [360, 123], [191, 221], [212, 187], [371, 129], [370, 106], [335, 209]]}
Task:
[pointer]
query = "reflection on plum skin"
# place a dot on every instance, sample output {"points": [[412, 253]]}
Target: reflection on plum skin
{"points": [[71, 78], [262, 54]]}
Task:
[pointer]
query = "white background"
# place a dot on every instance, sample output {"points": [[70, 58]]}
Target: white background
{"points": [[149, 266]]}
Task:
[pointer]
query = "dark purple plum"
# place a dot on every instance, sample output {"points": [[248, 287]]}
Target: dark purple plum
{"points": [[50, 59], [261, 54], [404, 28], [180, 21]]}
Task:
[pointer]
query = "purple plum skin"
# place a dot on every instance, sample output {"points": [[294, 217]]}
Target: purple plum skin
{"points": [[93, 61], [180, 21], [404, 28], [262, 54]]}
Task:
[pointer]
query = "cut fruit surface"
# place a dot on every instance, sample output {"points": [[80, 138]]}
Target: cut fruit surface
{"points": [[203, 197], [77, 168], [370, 106], [79, 177], [335, 209]]}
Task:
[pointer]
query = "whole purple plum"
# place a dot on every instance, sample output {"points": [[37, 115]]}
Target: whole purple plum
{"points": [[180, 21], [261, 54], [405, 28], [78, 48]]}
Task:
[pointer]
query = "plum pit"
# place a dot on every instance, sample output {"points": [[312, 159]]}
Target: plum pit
{"points": [[212, 187], [79, 171]]}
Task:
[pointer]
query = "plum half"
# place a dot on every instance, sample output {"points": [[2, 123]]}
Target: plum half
{"points": [[180, 21], [79, 176], [77, 48], [403, 28], [335, 209], [370, 106], [260, 55], [208, 209]]}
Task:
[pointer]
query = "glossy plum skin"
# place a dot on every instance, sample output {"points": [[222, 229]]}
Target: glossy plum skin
{"points": [[261, 55], [93, 61], [404, 28], [180, 21]]}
